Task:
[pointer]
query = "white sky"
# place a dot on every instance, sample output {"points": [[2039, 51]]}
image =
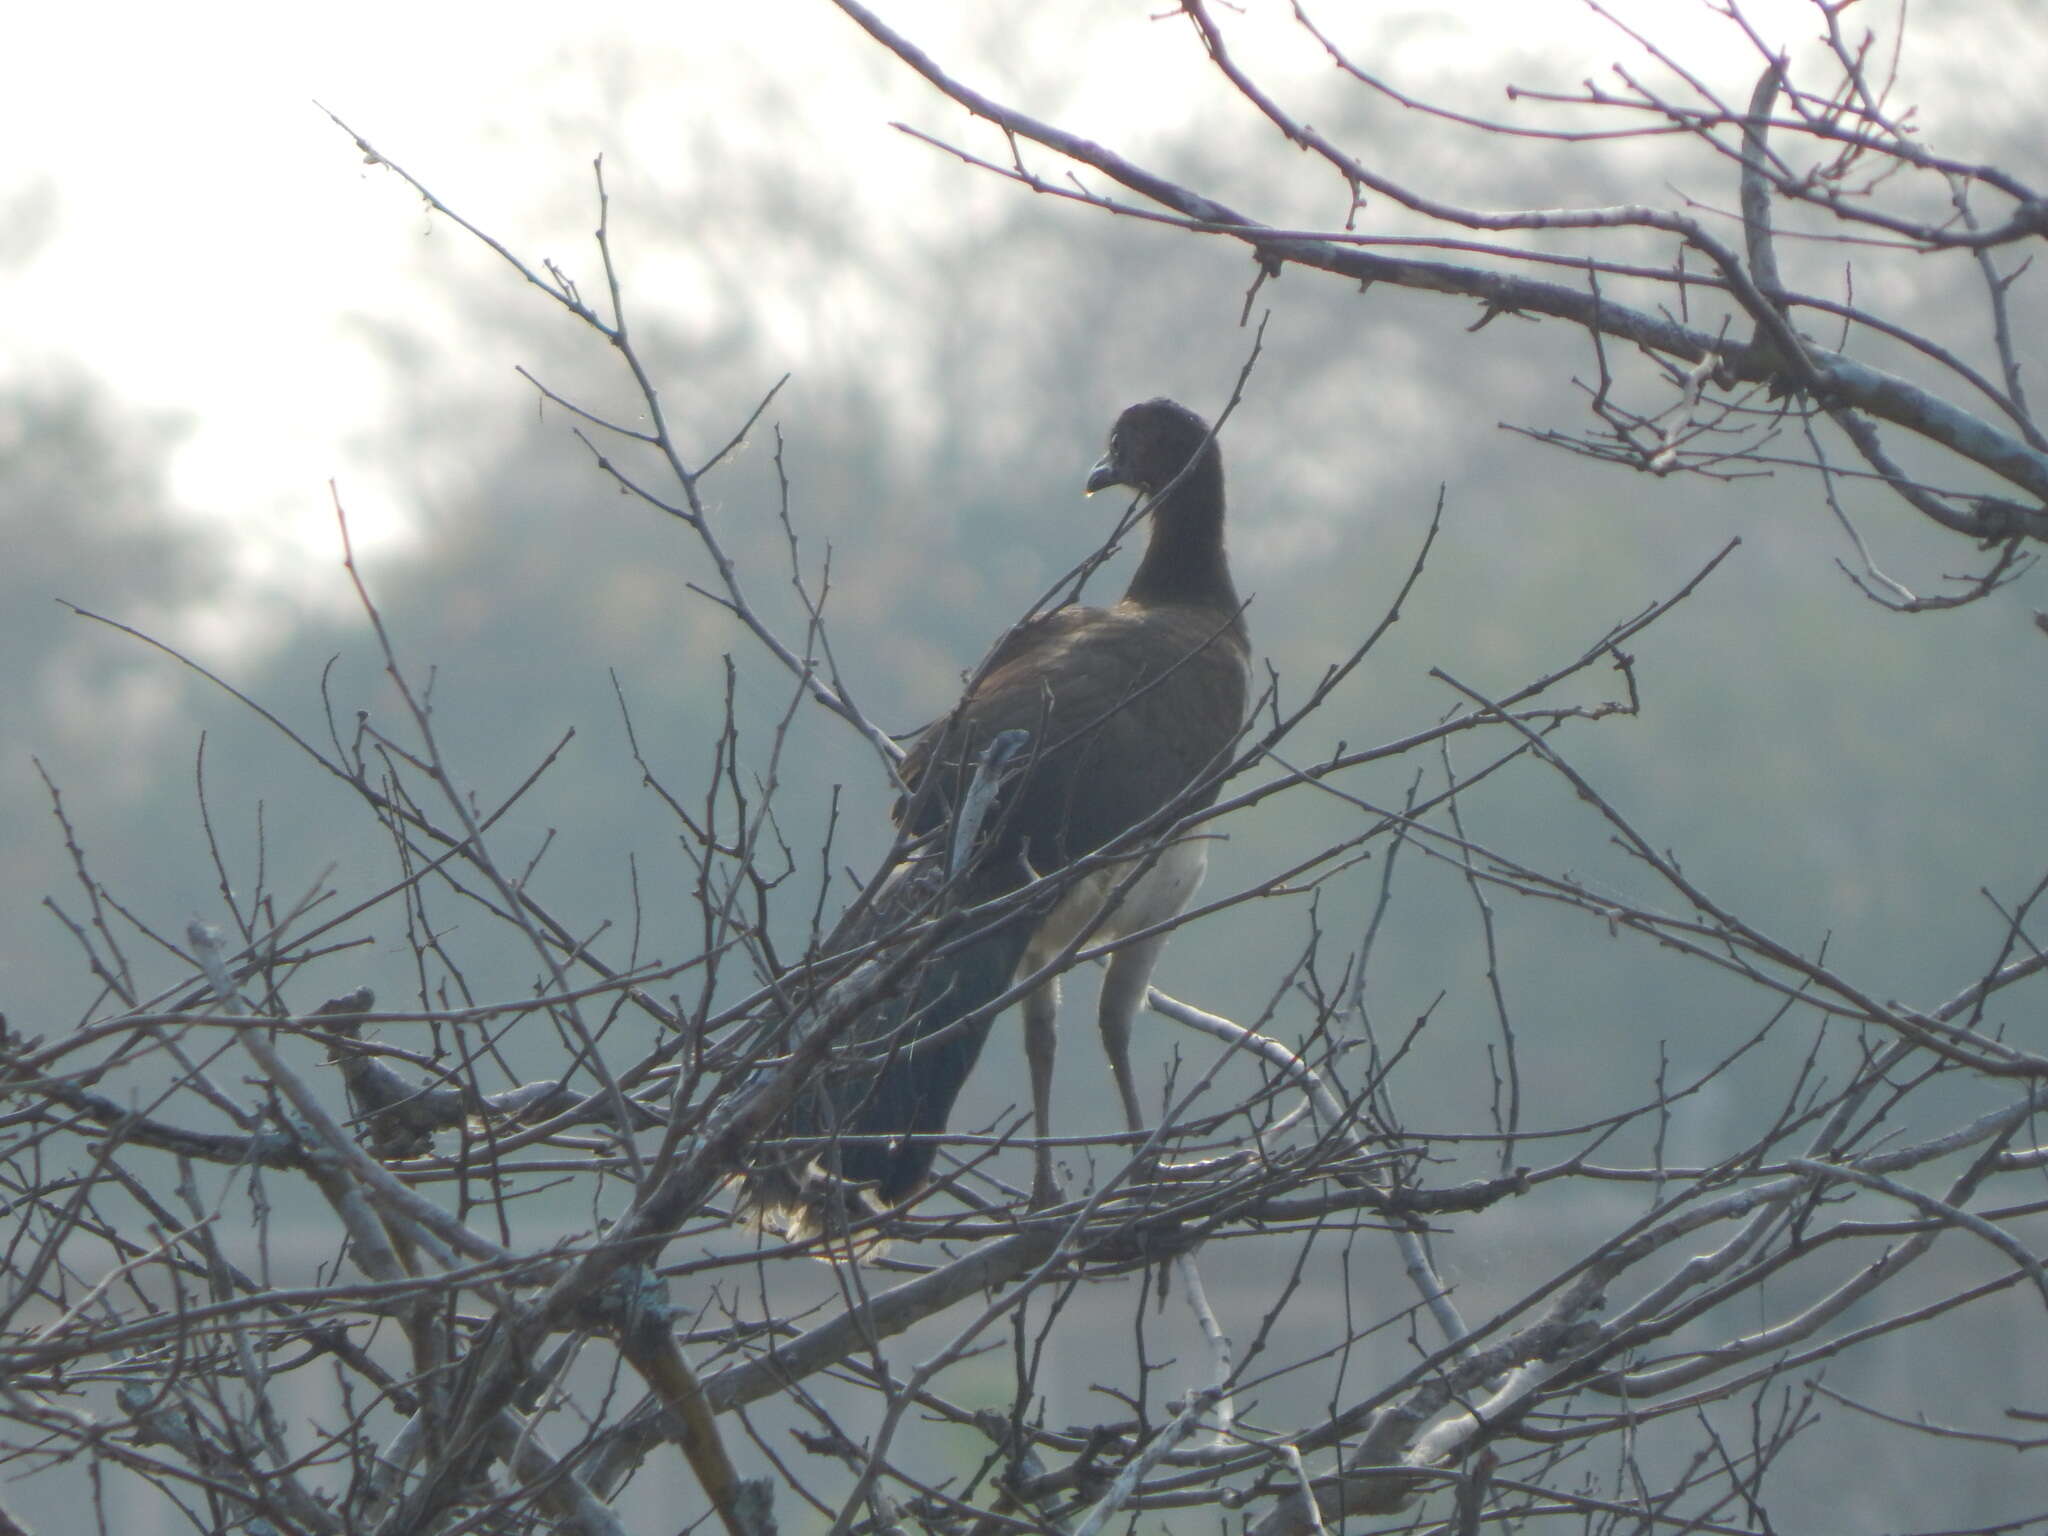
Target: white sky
{"points": [[214, 233]]}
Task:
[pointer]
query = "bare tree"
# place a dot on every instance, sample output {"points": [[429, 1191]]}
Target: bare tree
{"points": [[1698, 364], [532, 1292]]}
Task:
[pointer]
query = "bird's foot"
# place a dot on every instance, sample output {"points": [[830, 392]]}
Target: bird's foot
{"points": [[1045, 1186]]}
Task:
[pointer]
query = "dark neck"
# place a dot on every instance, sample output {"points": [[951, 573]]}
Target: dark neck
{"points": [[1184, 562]]}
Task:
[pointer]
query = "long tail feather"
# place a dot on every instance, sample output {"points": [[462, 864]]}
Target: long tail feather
{"points": [[861, 1131], [909, 1100]]}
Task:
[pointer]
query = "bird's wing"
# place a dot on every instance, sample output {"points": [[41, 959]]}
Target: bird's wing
{"points": [[1124, 708]]}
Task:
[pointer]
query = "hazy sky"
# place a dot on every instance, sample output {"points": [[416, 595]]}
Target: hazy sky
{"points": [[181, 220]]}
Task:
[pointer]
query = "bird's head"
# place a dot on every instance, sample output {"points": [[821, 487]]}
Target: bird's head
{"points": [[1149, 445]]}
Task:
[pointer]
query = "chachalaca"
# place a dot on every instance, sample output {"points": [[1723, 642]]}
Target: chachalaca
{"points": [[1115, 719]]}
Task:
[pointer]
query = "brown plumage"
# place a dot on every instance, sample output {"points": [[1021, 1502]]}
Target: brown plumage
{"points": [[1127, 713]]}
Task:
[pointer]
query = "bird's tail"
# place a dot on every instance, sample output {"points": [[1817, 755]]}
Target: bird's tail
{"points": [[861, 1134]]}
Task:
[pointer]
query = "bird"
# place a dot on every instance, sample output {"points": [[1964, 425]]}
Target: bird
{"points": [[1089, 723]]}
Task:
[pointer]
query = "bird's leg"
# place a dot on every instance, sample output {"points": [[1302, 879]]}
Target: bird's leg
{"points": [[1041, 1041], [1123, 993]]}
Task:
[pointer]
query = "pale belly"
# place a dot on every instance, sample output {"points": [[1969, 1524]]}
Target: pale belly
{"points": [[1164, 890]]}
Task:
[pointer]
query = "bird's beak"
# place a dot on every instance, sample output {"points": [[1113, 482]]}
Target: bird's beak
{"points": [[1104, 475]]}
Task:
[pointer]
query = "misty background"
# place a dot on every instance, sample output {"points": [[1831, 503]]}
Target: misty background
{"points": [[216, 307]]}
